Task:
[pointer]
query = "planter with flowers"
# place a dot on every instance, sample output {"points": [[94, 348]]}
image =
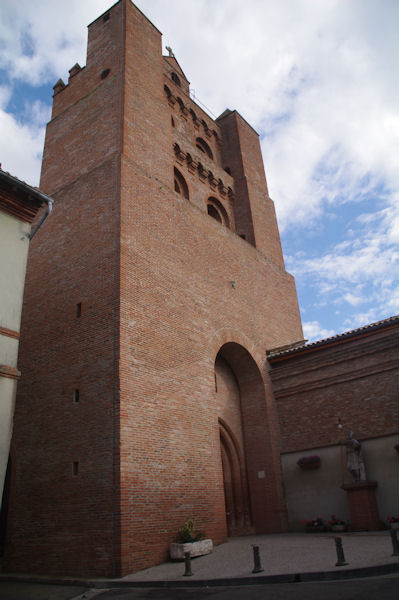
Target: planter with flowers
{"points": [[190, 541], [314, 525], [309, 462], [394, 521], [337, 524]]}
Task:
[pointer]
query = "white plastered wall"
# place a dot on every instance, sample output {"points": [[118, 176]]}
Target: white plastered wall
{"points": [[14, 247], [317, 492]]}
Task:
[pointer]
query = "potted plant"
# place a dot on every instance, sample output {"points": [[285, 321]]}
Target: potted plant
{"points": [[309, 462], [394, 521], [314, 525], [337, 524], [189, 540]]}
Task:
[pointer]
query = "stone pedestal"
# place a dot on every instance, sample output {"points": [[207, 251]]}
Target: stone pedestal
{"points": [[363, 508]]}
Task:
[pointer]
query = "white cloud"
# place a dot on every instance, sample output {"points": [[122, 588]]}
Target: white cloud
{"points": [[21, 144], [41, 40], [353, 299], [312, 331], [22, 147], [319, 82]]}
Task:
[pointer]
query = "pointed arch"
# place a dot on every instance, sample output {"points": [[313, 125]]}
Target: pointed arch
{"points": [[216, 210], [235, 482], [180, 184], [260, 442], [204, 147]]}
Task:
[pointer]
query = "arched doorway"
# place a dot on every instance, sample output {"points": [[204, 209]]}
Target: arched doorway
{"points": [[235, 484], [249, 445]]}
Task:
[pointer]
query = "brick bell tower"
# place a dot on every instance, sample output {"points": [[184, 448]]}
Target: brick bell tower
{"points": [[145, 398]]}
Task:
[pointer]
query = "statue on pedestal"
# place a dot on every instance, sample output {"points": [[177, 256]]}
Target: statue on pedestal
{"points": [[354, 458]]}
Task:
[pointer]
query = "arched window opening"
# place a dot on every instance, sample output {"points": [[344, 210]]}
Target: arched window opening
{"points": [[204, 147], [181, 104], [213, 212], [175, 78], [181, 186], [216, 210]]}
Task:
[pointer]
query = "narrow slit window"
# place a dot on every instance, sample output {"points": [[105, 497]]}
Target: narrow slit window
{"points": [[75, 468], [78, 309], [76, 395]]}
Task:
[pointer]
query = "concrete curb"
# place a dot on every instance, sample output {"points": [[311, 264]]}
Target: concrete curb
{"points": [[361, 572]]}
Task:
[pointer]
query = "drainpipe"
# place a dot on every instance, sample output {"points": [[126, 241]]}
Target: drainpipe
{"points": [[49, 208]]}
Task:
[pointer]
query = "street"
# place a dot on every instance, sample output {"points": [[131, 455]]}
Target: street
{"points": [[375, 588]]}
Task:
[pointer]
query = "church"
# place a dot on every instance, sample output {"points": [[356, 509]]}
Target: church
{"points": [[164, 372]]}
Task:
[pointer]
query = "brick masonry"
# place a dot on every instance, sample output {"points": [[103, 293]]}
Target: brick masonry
{"points": [[353, 379], [132, 292]]}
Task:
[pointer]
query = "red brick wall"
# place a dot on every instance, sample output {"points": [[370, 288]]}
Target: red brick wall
{"points": [[163, 286], [355, 380], [255, 210]]}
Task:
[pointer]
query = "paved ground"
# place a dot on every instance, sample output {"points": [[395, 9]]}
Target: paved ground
{"points": [[379, 588], [282, 553], [360, 589], [290, 562], [42, 591]]}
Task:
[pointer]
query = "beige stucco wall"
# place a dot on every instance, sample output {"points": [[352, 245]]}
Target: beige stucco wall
{"points": [[14, 246], [318, 493]]}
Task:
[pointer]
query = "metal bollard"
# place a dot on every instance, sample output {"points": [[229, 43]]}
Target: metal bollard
{"points": [[341, 562], [257, 566], [395, 543], [187, 565]]}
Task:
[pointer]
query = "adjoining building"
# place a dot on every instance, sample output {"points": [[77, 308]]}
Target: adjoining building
{"points": [[322, 391], [19, 206], [147, 397]]}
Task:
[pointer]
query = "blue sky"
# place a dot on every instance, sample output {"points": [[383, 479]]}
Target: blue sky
{"points": [[318, 79]]}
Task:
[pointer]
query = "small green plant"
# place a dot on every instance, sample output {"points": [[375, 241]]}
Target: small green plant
{"points": [[186, 534]]}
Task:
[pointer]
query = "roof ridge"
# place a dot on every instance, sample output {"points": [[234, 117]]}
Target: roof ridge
{"points": [[346, 334]]}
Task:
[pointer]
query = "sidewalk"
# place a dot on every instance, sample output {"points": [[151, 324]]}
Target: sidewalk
{"points": [[287, 557], [280, 554]]}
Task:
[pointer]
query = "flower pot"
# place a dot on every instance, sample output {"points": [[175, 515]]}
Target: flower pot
{"points": [[177, 551]]}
